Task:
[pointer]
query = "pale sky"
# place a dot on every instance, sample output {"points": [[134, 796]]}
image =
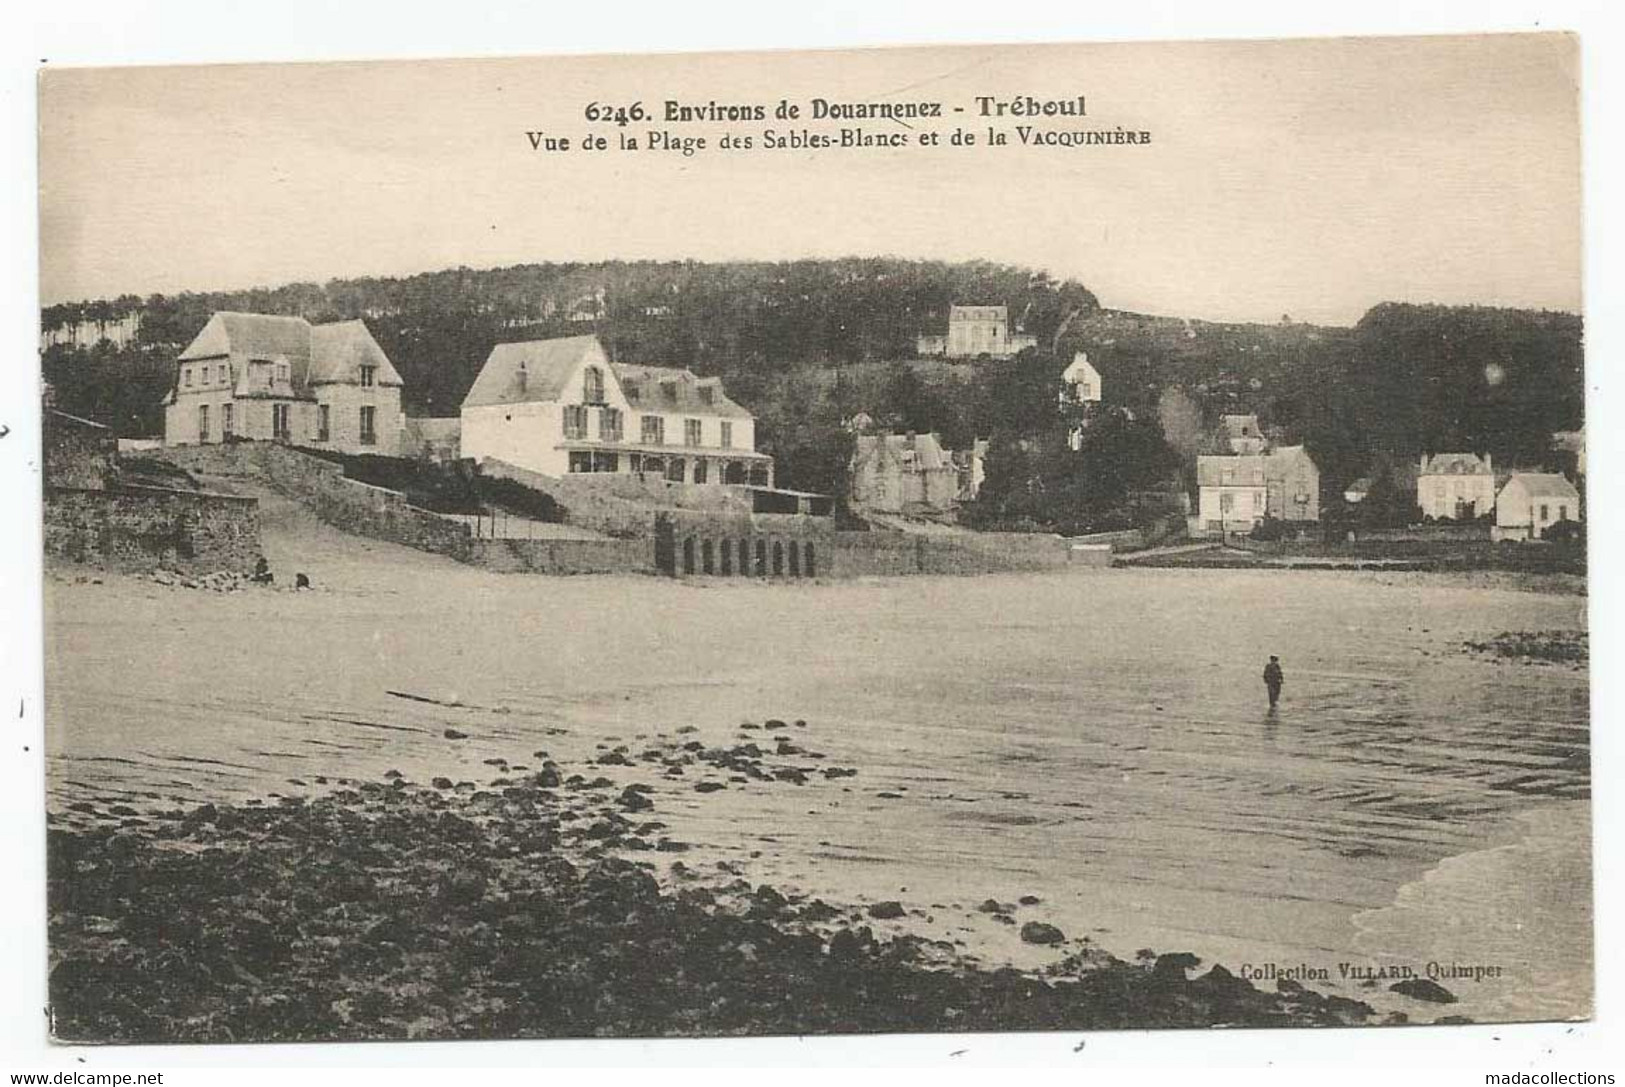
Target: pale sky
{"points": [[1314, 178]]}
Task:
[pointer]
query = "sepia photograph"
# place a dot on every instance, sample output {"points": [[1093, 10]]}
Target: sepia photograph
{"points": [[943, 539]]}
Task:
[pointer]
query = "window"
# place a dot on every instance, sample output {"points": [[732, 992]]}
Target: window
{"points": [[226, 413], [727, 435], [575, 421], [580, 461], [668, 389], [592, 385], [1562, 513], [282, 372], [369, 376], [203, 422], [1544, 511], [631, 391], [223, 373], [609, 425], [708, 394], [186, 375], [324, 423], [369, 425], [654, 430], [676, 470], [280, 430], [701, 471], [693, 432], [606, 462], [1227, 502]]}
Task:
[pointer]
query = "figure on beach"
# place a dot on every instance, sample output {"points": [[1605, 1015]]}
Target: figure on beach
{"points": [[1273, 678]]}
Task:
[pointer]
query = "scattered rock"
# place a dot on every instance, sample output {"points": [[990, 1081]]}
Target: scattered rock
{"points": [[887, 911], [1037, 932], [1423, 989]]}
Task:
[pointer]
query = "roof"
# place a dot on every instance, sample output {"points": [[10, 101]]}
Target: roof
{"points": [[316, 354], [339, 350], [1247, 470], [1080, 364], [928, 452], [1543, 485], [978, 313], [545, 364], [1454, 464], [264, 334], [665, 388]]}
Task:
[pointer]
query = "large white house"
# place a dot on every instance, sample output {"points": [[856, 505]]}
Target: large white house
{"points": [[1459, 486], [257, 376], [560, 406], [1232, 492], [974, 331], [1237, 492], [1532, 502]]}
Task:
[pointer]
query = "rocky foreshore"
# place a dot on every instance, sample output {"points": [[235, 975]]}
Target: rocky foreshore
{"points": [[1570, 647], [391, 910]]}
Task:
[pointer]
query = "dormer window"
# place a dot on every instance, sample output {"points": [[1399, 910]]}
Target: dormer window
{"points": [[668, 389], [369, 376], [592, 385], [282, 372], [633, 393], [708, 394]]}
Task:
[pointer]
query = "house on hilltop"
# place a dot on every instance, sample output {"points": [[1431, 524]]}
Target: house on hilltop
{"points": [[1459, 486], [1080, 381], [561, 407], [1531, 503], [259, 377], [975, 331]]}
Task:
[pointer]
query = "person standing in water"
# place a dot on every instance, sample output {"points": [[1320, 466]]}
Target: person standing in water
{"points": [[1273, 678]]}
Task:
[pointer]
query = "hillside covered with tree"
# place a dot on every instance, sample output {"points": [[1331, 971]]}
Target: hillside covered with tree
{"points": [[808, 344]]}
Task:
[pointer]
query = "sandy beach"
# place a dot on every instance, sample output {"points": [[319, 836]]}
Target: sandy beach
{"points": [[1097, 741]]}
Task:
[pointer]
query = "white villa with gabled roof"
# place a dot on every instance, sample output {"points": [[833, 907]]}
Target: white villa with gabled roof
{"points": [[560, 407]]}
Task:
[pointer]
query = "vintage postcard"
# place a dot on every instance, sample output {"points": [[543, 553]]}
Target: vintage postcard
{"points": [[922, 539]]}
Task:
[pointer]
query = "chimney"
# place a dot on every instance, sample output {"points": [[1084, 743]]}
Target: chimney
{"points": [[522, 375]]}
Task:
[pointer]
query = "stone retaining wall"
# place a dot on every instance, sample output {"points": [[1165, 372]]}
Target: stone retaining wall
{"points": [[321, 486], [794, 545], [564, 556], [151, 528]]}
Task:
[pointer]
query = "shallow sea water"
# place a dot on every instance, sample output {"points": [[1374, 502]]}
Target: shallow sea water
{"points": [[1096, 739]]}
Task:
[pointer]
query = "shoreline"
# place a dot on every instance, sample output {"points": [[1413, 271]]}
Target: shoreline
{"points": [[399, 911], [200, 737]]}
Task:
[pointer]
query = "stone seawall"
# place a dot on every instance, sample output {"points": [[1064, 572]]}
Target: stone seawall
{"points": [[564, 556], [797, 545], [150, 528], [321, 486]]}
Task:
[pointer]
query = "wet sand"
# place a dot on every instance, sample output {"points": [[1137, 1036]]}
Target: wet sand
{"points": [[1095, 740]]}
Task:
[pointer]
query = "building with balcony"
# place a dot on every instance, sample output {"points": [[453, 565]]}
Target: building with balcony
{"points": [[560, 407]]}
